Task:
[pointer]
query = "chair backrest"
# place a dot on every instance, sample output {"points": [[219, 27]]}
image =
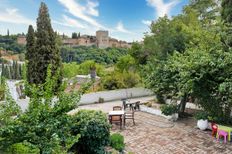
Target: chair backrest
{"points": [[124, 103], [137, 103], [214, 126], [116, 108]]}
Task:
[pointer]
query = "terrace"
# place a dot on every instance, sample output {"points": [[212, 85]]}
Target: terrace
{"points": [[155, 134]]}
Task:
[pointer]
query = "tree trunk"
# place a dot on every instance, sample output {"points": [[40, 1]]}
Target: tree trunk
{"points": [[40, 151], [183, 103], [227, 113]]}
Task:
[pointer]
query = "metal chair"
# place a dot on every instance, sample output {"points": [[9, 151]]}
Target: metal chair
{"points": [[129, 115], [124, 104], [137, 105]]}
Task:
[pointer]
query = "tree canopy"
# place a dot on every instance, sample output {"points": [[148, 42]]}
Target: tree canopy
{"points": [[188, 58]]}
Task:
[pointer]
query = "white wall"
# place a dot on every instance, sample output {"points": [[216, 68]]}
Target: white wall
{"points": [[114, 95]]}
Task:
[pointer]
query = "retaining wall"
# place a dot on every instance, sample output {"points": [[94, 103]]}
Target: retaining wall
{"points": [[114, 95]]}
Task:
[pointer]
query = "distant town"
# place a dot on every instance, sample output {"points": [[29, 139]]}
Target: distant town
{"points": [[101, 40]]}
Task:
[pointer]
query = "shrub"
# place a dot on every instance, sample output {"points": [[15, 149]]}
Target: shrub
{"points": [[148, 104], [101, 100], [117, 141], [94, 129], [21, 148], [118, 80], [201, 115], [2, 92], [169, 109]]}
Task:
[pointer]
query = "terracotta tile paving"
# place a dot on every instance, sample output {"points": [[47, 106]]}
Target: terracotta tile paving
{"points": [[155, 135]]}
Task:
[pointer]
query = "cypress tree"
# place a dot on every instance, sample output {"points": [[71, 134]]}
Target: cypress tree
{"points": [[21, 71], [46, 49], [3, 70], [17, 73], [74, 35], [13, 70], [7, 74], [31, 56], [8, 33]]}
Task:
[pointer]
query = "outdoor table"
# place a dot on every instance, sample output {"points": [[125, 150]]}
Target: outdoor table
{"points": [[133, 105], [120, 113], [226, 129], [130, 103]]}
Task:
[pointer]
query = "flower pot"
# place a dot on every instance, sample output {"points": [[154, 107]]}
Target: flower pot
{"points": [[173, 117], [202, 124]]}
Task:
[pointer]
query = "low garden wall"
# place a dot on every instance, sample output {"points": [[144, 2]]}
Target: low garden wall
{"points": [[150, 110], [114, 95]]}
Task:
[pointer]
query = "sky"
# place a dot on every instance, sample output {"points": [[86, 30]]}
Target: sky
{"points": [[124, 19]]}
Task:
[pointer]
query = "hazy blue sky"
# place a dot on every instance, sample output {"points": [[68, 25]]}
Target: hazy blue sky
{"points": [[124, 19]]}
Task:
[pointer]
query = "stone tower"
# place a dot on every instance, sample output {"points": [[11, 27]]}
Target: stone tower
{"points": [[102, 39]]}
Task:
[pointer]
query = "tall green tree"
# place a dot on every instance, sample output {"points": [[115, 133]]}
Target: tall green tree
{"points": [[3, 69], [31, 56], [74, 35], [46, 49], [166, 36], [139, 53], [208, 11]]}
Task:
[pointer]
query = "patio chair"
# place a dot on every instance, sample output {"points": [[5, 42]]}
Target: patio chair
{"points": [[222, 133], [116, 119], [214, 128], [137, 105], [129, 115], [116, 108], [124, 105]]}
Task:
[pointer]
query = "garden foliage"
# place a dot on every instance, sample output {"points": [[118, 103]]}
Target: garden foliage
{"points": [[94, 130], [191, 58]]}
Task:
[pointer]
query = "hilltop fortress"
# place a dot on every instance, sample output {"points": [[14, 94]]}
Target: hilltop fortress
{"points": [[101, 40]]}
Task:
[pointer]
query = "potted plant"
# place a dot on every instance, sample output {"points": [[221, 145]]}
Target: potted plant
{"points": [[202, 120], [170, 110]]}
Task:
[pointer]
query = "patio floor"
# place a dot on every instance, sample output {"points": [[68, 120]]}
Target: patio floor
{"points": [[154, 134]]}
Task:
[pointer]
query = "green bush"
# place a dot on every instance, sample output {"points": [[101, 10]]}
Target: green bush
{"points": [[117, 141], [119, 80], [21, 148], [148, 104], [84, 68], [201, 115], [169, 109], [2, 92], [94, 129], [101, 100]]}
